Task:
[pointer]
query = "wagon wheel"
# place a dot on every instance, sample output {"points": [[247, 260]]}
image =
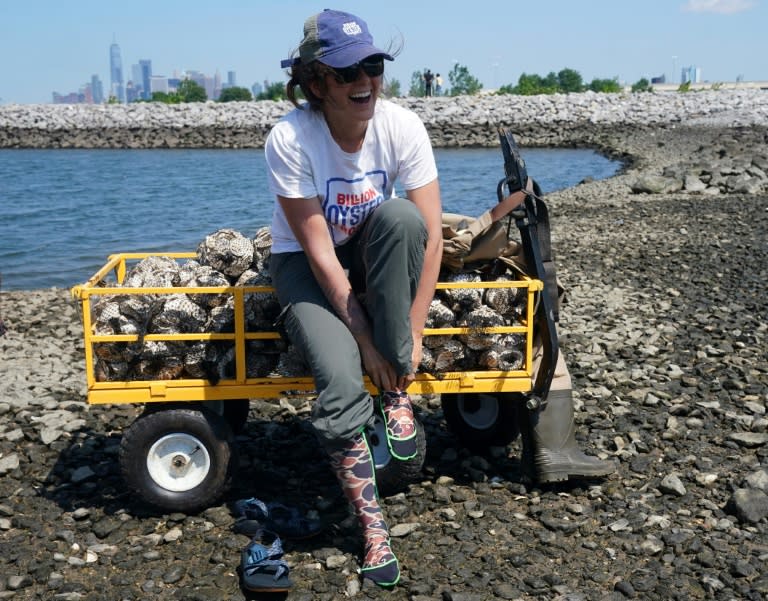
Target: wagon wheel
{"points": [[481, 420], [393, 475], [178, 459], [234, 411]]}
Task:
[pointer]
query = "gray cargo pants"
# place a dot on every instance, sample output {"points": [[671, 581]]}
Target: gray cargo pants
{"points": [[384, 260]]}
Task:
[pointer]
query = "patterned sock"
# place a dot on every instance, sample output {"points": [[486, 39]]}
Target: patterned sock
{"points": [[354, 470], [380, 564], [401, 425]]}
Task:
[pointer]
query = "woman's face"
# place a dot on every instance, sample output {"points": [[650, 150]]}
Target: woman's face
{"points": [[351, 93]]}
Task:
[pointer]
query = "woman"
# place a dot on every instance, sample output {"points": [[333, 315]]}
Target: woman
{"points": [[354, 266]]}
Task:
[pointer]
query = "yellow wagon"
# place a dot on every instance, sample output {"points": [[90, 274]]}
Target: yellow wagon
{"points": [[180, 453]]}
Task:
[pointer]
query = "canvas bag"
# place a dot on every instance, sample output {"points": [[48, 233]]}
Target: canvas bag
{"points": [[467, 240], [470, 242]]}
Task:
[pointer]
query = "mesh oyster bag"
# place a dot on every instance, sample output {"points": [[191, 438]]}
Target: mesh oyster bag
{"points": [[227, 258]]}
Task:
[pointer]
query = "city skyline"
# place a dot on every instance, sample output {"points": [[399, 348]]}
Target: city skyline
{"points": [[722, 39], [143, 83]]}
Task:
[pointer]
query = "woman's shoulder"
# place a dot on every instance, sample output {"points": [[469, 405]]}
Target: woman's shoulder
{"points": [[390, 106], [294, 123], [300, 115], [394, 112]]}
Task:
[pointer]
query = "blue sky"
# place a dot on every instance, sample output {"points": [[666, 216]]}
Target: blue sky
{"points": [[51, 45]]}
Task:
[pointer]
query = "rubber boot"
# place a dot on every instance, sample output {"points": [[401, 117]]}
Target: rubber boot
{"points": [[354, 469], [550, 450]]}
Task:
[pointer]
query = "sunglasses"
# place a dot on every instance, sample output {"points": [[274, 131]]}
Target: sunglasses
{"points": [[372, 67]]}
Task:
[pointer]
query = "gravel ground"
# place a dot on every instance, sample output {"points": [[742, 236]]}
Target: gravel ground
{"points": [[665, 332]]}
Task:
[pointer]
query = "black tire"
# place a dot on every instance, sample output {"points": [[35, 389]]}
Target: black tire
{"points": [[394, 475], [236, 413], [178, 459], [481, 420]]}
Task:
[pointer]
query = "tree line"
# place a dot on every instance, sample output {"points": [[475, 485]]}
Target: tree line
{"points": [[462, 83], [564, 82], [191, 91], [567, 81]]}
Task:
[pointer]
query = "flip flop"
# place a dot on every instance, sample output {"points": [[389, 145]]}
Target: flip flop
{"points": [[262, 568], [253, 515]]}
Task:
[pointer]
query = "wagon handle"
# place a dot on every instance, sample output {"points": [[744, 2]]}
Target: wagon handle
{"points": [[532, 219]]}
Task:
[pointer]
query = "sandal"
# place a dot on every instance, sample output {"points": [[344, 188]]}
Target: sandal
{"points": [[262, 569], [253, 515], [400, 425]]}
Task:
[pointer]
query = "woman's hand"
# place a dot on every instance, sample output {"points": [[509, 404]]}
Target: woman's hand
{"points": [[404, 382], [418, 351], [378, 369], [427, 199]]}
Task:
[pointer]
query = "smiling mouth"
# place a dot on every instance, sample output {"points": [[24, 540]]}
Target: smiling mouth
{"points": [[360, 97]]}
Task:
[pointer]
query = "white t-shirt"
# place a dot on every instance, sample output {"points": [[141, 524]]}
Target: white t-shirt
{"points": [[304, 161]]}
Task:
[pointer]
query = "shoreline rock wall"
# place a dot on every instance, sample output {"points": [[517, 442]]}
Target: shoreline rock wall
{"points": [[552, 120], [731, 125]]}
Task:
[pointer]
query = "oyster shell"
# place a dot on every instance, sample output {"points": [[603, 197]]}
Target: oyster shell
{"points": [[227, 251], [226, 258]]}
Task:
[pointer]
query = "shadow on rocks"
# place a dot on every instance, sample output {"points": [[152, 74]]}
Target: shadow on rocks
{"points": [[475, 465], [278, 460]]}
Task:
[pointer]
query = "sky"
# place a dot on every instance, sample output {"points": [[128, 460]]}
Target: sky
{"points": [[52, 45]]}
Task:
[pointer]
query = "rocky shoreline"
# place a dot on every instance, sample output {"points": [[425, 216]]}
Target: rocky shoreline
{"points": [[665, 331], [547, 120]]}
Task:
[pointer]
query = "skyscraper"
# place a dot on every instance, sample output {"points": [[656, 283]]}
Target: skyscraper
{"points": [[116, 73], [690, 74], [97, 90], [216, 86], [145, 68]]}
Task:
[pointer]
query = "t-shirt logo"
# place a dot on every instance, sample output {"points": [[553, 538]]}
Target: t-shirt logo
{"points": [[348, 203]]}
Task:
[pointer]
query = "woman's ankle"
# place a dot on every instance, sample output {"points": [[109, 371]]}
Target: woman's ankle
{"points": [[380, 564], [400, 425]]}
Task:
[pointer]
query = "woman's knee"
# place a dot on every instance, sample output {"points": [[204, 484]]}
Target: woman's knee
{"points": [[338, 416], [400, 215], [343, 405]]}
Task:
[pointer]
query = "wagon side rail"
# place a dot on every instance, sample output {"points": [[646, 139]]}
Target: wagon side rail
{"points": [[241, 386]]}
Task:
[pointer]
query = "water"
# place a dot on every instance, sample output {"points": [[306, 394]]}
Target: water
{"points": [[62, 212]]}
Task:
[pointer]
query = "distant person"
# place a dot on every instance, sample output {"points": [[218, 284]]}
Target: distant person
{"points": [[428, 79], [438, 85], [339, 230]]}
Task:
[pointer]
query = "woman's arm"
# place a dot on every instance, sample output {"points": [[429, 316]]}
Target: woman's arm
{"points": [[306, 219], [427, 199]]}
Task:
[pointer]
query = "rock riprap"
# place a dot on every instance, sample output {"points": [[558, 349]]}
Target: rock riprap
{"points": [[545, 120]]}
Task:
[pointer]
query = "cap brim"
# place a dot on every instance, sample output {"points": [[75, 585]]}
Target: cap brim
{"points": [[344, 57], [349, 55]]}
